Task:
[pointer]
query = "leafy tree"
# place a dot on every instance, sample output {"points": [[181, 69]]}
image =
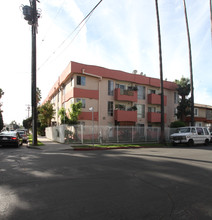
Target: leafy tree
{"points": [[14, 125], [27, 123], [46, 114], [63, 116], [75, 111], [1, 93], [183, 109], [38, 96], [1, 121]]}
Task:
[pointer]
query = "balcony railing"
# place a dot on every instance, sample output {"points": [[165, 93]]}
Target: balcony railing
{"points": [[125, 95], [121, 115], [155, 117], [155, 99]]}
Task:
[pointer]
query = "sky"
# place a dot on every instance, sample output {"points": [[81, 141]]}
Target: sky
{"points": [[120, 35]]}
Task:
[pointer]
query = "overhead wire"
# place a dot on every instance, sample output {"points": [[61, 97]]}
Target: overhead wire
{"points": [[83, 20], [57, 13]]}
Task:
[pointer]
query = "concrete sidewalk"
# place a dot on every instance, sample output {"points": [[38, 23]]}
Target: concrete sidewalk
{"points": [[50, 145]]}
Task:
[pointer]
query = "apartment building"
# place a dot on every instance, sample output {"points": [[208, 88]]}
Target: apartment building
{"points": [[202, 115], [117, 97]]}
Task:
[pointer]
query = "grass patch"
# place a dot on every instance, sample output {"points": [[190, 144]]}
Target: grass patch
{"points": [[111, 146], [30, 141]]}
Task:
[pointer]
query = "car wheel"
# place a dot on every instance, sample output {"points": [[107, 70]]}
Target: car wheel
{"points": [[190, 143], [206, 142]]}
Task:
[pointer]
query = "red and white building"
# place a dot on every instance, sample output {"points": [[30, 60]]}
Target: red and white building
{"points": [[118, 98]]}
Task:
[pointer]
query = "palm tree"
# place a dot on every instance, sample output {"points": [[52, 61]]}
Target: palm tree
{"points": [[190, 62], [162, 136], [211, 17]]}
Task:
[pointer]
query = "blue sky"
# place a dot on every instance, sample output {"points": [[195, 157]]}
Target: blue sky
{"points": [[119, 35]]}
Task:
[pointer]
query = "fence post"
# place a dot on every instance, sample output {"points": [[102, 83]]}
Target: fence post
{"points": [[132, 134], [81, 133], [117, 129]]}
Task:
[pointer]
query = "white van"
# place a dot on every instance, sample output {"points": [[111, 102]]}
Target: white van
{"points": [[191, 136]]}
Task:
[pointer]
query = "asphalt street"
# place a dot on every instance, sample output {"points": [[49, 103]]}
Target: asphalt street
{"points": [[54, 182]]}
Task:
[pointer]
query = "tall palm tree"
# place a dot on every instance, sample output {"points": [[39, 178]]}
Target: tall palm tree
{"points": [[211, 17], [162, 136], [190, 64]]}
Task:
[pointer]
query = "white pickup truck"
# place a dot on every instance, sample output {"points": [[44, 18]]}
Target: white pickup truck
{"points": [[191, 136]]}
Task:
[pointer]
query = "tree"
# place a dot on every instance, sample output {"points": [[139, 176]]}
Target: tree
{"points": [[38, 96], [162, 136], [63, 117], [1, 121], [27, 123], [184, 88], [190, 65], [46, 114], [1, 117], [1, 93], [75, 111], [211, 17]]}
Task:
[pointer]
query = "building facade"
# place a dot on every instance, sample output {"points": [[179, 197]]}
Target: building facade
{"points": [[202, 115], [117, 97]]}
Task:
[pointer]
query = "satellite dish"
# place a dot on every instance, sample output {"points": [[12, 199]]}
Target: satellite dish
{"points": [[135, 71]]}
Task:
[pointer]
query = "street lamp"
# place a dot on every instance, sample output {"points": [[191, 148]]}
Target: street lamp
{"points": [[91, 109]]}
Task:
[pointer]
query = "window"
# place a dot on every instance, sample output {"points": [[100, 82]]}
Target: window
{"points": [[81, 80], [120, 107], [141, 92], [140, 111], [151, 109], [72, 81], [83, 102], [151, 91], [196, 112], [110, 108], [200, 131], [110, 87], [176, 98], [206, 131]]}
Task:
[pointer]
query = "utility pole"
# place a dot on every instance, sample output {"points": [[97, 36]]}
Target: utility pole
{"points": [[31, 15]]}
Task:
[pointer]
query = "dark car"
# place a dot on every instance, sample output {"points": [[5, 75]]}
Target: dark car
{"points": [[23, 134], [10, 138]]}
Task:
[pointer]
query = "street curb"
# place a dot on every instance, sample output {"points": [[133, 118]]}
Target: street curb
{"points": [[110, 148]]}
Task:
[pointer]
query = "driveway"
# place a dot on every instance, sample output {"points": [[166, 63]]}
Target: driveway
{"points": [[55, 182]]}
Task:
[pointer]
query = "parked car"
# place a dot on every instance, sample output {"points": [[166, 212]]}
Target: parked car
{"points": [[191, 136], [10, 138], [23, 134]]}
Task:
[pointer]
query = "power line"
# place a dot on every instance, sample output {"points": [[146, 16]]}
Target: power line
{"points": [[84, 19]]}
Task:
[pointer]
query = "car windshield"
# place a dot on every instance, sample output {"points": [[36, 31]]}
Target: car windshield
{"points": [[184, 130]]}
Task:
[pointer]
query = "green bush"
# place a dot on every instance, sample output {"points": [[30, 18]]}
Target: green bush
{"points": [[177, 124]]}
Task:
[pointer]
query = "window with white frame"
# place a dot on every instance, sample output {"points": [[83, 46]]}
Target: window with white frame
{"points": [[196, 111], [140, 110], [110, 108], [110, 87], [141, 92], [176, 98]]}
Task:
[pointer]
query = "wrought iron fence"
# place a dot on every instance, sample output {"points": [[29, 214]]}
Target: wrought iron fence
{"points": [[113, 134]]}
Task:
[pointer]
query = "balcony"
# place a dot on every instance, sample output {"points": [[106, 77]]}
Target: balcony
{"points": [[155, 117], [121, 115], [155, 99], [125, 95]]}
